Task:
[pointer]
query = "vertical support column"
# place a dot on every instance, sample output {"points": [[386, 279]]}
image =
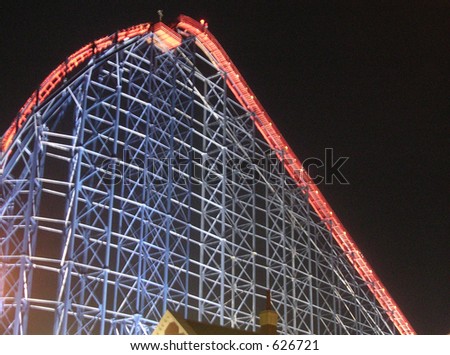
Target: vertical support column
{"points": [[190, 169], [28, 243], [214, 274], [309, 257], [169, 160], [201, 300], [252, 202], [294, 296], [224, 156], [283, 242], [64, 290], [111, 193]]}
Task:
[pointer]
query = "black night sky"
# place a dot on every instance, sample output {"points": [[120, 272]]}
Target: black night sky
{"points": [[366, 78]]}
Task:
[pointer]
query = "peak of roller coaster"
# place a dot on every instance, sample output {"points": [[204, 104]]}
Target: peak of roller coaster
{"points": [[168, 39]]}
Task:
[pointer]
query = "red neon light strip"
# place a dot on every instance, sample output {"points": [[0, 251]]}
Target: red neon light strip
{"points": [[265, 125]]}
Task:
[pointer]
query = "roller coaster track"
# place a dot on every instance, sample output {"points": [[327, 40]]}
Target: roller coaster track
{"points": [[172, 37]]}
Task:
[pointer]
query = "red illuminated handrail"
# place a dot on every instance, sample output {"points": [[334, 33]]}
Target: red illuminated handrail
{"points": [[267, 128]]}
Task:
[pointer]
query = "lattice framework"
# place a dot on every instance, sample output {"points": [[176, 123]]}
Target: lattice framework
{"points": [[142, 185]]}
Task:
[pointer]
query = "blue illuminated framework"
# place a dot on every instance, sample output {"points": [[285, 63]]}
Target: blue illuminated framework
{"points": [[141, 185]]}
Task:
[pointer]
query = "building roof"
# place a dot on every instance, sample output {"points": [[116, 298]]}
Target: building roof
{"points": [[173, 323]]}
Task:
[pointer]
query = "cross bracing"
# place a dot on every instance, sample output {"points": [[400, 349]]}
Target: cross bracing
{"points": [[143, 185]]}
